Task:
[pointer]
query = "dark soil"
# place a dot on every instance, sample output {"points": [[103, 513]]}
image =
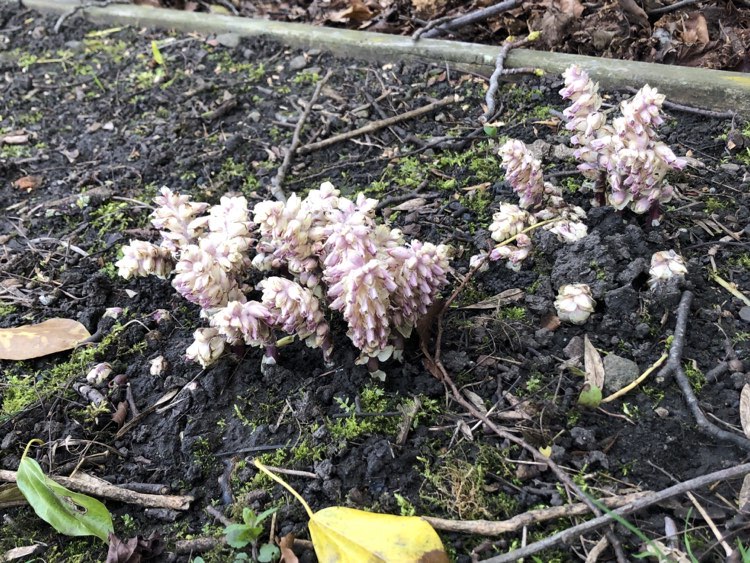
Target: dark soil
{"points": [[107, 127]]}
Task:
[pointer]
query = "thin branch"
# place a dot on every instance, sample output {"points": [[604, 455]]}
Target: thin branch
{"points": [[377, 125], [443, 25], [90, 485], [497, 528], [674, 366], [572, 533], [671, 7], [92, 4], [500, 70], [278, 181]]}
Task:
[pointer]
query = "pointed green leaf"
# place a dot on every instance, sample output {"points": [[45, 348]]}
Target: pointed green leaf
{"points": [[265, 514], [158, 58], [72, 514]]}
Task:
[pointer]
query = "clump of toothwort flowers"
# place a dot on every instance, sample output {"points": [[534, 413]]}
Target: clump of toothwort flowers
{"points": [[326, 252], [538, 201], [627, 151]]}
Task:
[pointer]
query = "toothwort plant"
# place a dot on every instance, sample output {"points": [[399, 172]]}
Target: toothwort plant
{"points": [[626, 152], [538, 201], [327, 252]]}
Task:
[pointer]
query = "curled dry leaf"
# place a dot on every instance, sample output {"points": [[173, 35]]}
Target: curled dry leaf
{"points": [[287, 553], [501, 299], [593, 364], [476, 400], [411, 205], [744, 496], [121, 413], [28, 183], [745, 409], [34, 341]]}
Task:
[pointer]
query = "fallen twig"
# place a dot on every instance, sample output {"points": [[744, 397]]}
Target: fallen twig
{"points": [[92, 4], [377, 125], [281, 173], [671, 7], [497, 528], [674, 366], [633, 384], [596, 523], [443, 25], [90, 485], [500, 70], [435, 366]]}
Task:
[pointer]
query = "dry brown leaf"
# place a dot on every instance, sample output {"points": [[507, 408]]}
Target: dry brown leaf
{"points": [[287, 554], [411, 205], [499, 300], [15, 138], [428, 9], [744, 496], [476, 400], [745, 409], [33, 341], [465, 430], [573, 7], [695, 29], [120, 414], [634, 13], [551, 322], [356, 12], [28, 183], [593, 364]]}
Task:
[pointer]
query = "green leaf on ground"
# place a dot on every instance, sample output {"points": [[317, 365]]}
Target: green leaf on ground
{"points": [[72, 514], [590, 397]]}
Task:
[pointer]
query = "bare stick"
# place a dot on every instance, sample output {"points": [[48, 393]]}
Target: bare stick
{"points": [[277, 182], [218, 515], [500, 70], [90, 485], [94, 4], [377, 125], [674, 366], [440, 27], [436, 367], [671, 7], [490, 528], [572, 533]]}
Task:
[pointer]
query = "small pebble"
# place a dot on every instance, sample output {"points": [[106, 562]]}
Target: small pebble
{"points": [[298, 63], [230, 40], [736, 365], [745, 314]]}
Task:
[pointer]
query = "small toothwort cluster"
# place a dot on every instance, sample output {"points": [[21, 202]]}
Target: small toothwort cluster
{"points": [[538, 201], [627, 151], [329, 252]]}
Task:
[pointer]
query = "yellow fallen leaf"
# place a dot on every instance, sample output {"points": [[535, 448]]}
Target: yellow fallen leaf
{"points": [[346, 535], [33, 341]]}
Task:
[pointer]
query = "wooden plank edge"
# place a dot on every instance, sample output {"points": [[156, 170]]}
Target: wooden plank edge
{"points": [[710, 89]]}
